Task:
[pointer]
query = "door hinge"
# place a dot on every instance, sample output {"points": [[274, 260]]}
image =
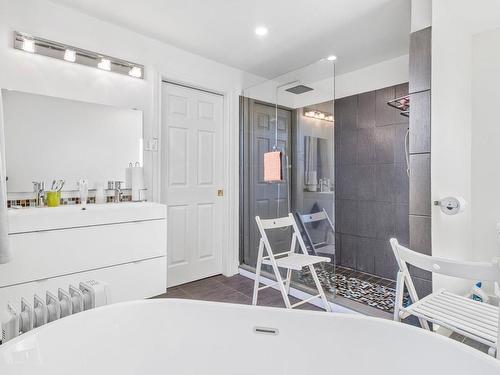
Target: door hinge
{"points": [[220, 193]]}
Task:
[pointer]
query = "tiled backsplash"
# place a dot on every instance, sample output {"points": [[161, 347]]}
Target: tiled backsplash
{"points": [[69, 198]]}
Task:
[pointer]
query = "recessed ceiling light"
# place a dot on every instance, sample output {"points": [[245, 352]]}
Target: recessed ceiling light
{"points": [[70, 55], [331, 58], [261, 31]]}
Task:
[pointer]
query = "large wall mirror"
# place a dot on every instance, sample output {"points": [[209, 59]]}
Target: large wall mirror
{"points": [[48, 138]]}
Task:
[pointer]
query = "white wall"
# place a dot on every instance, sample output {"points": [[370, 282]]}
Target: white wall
{"points": [[485, 150], [38, 74], [421, 14], [454, 22], [384, 74]]}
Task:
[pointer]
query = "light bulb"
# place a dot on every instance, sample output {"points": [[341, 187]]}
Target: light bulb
{"points": [[135, 72], [105, 64], [29, 45], [70, 55], [331, 58]]}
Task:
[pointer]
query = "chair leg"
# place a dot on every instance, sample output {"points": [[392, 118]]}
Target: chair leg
{"points": [[414, 298], [282, 287], [326, 304], [288, 280], [398, 302], [493, 352], [257, 274]]}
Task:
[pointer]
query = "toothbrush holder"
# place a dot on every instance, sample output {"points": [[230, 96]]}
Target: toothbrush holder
{"points": [[53, 198]]}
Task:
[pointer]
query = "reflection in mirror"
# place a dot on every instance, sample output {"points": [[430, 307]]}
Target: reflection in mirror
{"points": [[316, 164], [48, 138]]}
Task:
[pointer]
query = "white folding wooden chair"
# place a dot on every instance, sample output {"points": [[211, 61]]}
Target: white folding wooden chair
{"points": [[325, 246], [289, 260], [476, 320]]}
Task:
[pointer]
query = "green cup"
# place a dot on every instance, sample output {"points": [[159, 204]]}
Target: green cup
{"points": [[53, 198]]}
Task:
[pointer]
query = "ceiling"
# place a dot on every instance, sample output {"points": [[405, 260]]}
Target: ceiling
{"points": [[358, 32]]}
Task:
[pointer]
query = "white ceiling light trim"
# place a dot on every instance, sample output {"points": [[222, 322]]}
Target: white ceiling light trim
{"points": [[261, 31]]}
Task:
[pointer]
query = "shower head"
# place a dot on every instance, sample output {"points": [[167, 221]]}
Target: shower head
{"points": [[299, 89]]}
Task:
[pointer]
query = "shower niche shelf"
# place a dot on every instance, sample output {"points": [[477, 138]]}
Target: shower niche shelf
{"points": [[402, 104]]}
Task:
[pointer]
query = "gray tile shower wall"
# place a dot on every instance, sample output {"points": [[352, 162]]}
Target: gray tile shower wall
{"points": [[420, 153], [370, 180]]}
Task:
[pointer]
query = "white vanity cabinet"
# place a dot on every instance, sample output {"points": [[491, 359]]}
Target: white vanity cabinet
{"points": [[123, 245]]}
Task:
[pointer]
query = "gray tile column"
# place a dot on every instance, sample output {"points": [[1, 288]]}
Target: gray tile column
{"points": [[372, 200], [420, 153]]}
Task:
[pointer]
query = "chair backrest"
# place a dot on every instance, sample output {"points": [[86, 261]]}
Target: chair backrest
{"points": [[311, 218], [281, 222], [484, 271]]}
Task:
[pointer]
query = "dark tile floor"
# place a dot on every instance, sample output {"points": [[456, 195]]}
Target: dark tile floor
{"points": [[235, 289], [364, 288]]}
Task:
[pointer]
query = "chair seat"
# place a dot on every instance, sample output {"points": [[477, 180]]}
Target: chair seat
{"points": [[470, 318], [297, 261]]}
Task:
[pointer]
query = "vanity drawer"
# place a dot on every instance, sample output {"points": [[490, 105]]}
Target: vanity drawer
{"points": [[46, 254], [126, 282]]}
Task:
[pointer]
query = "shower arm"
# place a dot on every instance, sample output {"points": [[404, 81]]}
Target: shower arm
{"points": [[275, 148]]}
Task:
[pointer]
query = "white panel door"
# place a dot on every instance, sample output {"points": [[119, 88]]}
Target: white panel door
{"points": [[192, 175]]}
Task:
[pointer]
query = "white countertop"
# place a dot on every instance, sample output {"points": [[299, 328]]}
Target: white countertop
{"points": [[32, 219]]}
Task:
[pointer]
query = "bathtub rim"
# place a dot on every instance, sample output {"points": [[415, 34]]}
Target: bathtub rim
{"points": [[154, 301]]}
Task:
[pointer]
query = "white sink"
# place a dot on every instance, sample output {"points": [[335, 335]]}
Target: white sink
{"points": [[48, 218]]}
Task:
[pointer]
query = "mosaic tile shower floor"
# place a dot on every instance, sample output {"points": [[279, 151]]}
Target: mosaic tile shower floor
{"points": [[354, 285]]}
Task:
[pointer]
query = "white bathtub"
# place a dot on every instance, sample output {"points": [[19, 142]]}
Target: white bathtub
{"points": [[192, 337]]}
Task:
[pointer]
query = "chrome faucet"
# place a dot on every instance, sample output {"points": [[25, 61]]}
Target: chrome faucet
{"points": [[116, 186], [39, 189]]}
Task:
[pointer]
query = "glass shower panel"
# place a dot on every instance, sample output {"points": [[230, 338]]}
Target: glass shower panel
{"points": [[294, 114]]}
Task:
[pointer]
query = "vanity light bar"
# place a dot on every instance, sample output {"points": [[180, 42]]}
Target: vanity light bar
{"points": [[318, 115], [40, 46]]}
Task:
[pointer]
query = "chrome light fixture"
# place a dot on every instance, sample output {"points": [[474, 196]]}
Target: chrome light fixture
{"points": [[312, 113], [61, 51]]}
